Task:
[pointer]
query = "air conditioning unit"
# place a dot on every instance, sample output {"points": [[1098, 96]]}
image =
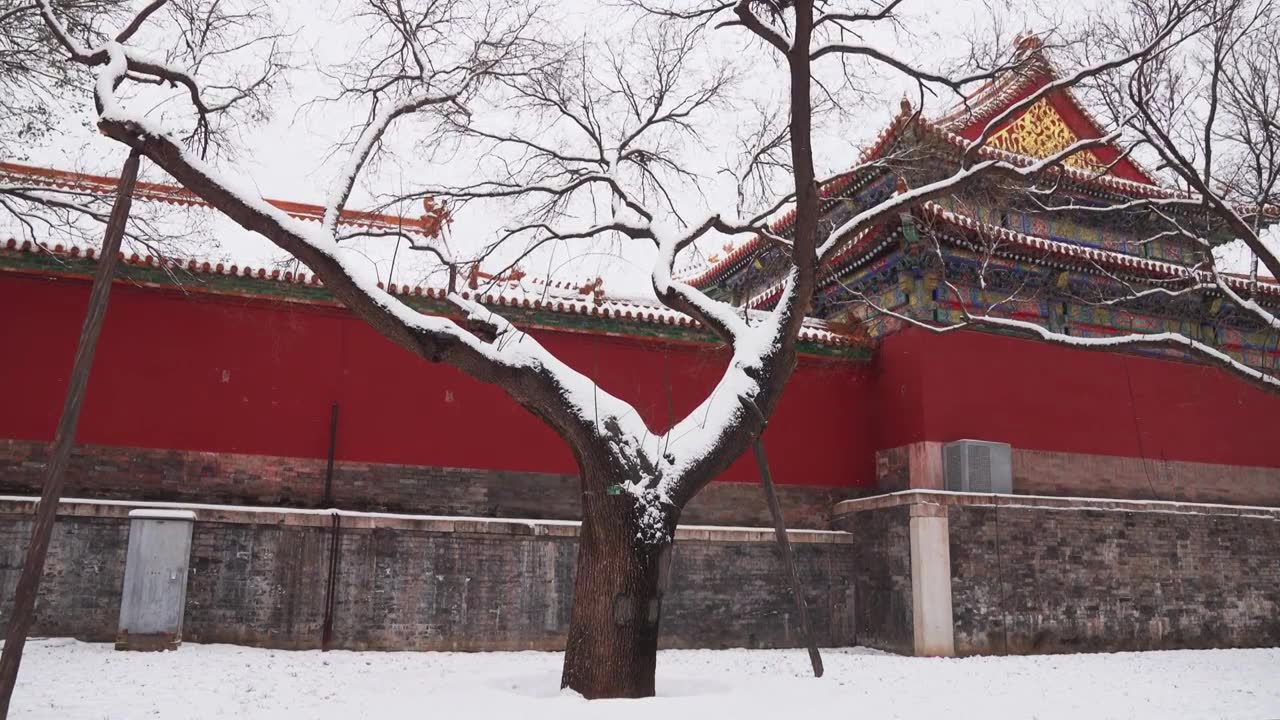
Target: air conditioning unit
{"points": [[977, 466]]}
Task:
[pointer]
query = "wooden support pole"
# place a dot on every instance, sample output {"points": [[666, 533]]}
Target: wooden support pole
{"points": [[780, 531], [331, 582], [24, 598], [333, 445]]}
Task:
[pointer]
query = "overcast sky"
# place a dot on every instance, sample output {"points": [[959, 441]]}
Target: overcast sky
{"points": [[288, 156]]}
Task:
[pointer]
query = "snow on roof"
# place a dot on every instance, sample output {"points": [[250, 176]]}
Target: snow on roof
{"points": [[556, 298], [871, 241], [951, 128], [1094, 256], [429, 224]]}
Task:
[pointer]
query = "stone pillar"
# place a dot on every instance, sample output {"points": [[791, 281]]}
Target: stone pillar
{"points": [[917, 466], [931, 617], [154, 597]]}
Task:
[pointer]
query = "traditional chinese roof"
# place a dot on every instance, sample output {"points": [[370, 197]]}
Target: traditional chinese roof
{"points": [[429, 224], [1046, 127], [536, 304], [1070, 255], [1009, 243]]}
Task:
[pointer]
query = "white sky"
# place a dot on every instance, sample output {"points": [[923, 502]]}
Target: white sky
{"points": [[287, 157]]}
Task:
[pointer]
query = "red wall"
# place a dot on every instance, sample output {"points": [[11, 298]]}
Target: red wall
{"points": [[219, 373], [1041, 396]]}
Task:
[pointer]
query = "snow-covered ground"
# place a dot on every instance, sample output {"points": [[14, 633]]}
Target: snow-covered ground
{"points": [[69, 680]]}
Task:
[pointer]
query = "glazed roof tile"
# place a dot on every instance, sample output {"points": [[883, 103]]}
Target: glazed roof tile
{"points": [[429, 224], [1089, 256], [985, 103], [871, 241], [552, 298]]}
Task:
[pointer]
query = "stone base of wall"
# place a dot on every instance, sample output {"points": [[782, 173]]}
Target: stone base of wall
{"points": [[881, 568], [122, 473], [1039, 472], [1043, 575], [261, 577], [918, 466]]}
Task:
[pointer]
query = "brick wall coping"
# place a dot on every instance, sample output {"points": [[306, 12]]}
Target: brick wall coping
{"points": [[80, 507], [1045, 502]]}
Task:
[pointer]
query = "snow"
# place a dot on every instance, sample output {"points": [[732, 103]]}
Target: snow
{"points": [[157, 514], [1178, 506], [70, 680]]}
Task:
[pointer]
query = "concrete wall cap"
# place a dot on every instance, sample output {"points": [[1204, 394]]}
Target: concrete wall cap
{"points": [[159, 514]]}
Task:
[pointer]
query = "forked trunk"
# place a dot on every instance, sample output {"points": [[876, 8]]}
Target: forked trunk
{"points": [[617, 602]]}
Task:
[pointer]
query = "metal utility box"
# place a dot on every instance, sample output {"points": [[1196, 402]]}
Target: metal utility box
{"points": [[154, 597], [977, 466]]}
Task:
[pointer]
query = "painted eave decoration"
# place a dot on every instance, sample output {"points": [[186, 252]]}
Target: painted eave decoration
{"points": [[1049, 125]]}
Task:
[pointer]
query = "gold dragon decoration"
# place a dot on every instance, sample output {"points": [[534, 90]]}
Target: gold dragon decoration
{"points": [[1040, 132]]}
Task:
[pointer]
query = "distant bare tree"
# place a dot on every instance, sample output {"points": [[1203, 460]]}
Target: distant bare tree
{"points": [[607, 136], [38, 88], [34, 79]]}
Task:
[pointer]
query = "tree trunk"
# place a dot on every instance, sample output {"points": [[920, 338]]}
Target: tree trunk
{"points": [[617, 601]]}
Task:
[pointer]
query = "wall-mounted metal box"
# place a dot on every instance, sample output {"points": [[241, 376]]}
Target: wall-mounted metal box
{"points": [[977, 466], [154, 597]]}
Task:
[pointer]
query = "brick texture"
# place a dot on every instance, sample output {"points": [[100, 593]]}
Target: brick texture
{"points": [[83, 575], [1037, 580], [261, 579], [893, 469], [1041, 472], [257, 584], [881, 578], [120, 473], [1038, 472]]}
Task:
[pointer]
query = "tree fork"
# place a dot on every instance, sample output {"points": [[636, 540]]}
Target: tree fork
{"points": [[24, 597]]}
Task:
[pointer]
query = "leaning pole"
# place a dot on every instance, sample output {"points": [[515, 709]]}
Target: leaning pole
{"points": [[24, 598], [784, 545]]}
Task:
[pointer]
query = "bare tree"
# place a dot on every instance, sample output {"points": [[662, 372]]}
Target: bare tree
{"points": [[608, 137], [33, 77], [35, 84], [234, 47]]}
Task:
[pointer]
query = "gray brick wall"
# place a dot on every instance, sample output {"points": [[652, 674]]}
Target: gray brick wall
{"points": [[83, 575], [257, 584], [122, 473], [1036, 580], [261, 579], [881, 577]]}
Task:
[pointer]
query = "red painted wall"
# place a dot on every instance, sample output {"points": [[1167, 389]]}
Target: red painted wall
{"points": [[229, 374], [219, 373], [1041, 396]]}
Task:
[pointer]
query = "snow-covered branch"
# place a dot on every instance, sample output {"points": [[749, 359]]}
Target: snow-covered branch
{"points": [[1170, 31], [985, 317], [961, 178]]}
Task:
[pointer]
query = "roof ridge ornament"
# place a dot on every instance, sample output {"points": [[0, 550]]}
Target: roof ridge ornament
{"points": [[1027, 43]]}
